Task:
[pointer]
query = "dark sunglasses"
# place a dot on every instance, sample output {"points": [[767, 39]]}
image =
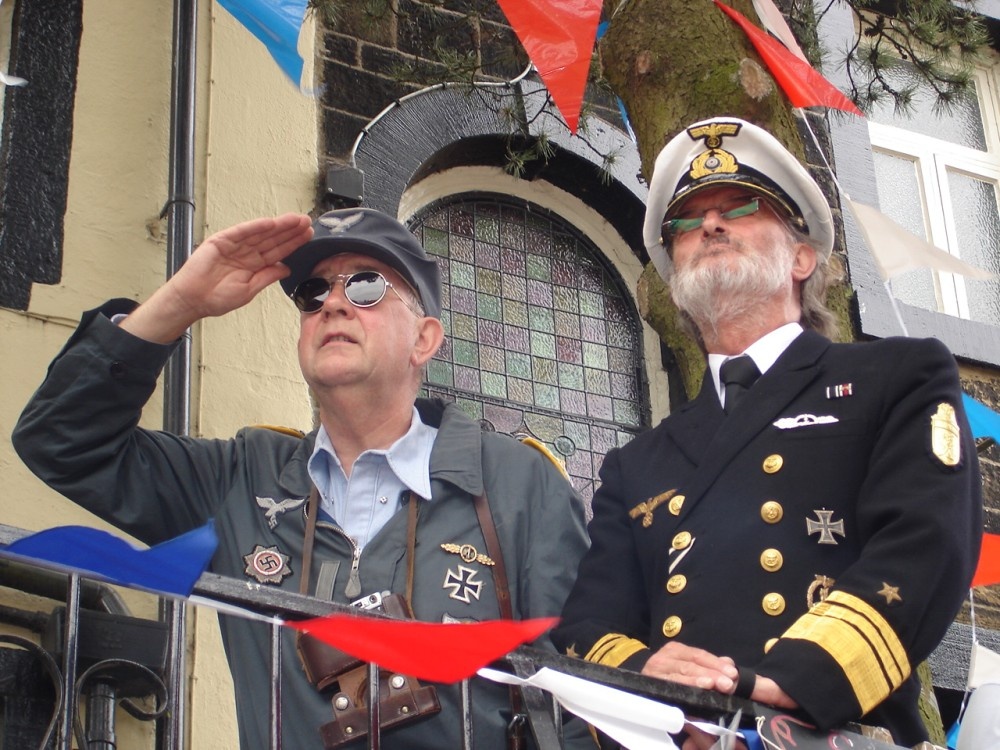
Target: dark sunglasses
{"points": [[362, 289]]}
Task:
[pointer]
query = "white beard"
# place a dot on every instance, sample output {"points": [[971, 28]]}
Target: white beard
{"points": [[715, 293]]}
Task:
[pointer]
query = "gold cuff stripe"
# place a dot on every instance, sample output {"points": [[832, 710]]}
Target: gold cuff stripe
{"points": [[860, 640], [613, 649]]}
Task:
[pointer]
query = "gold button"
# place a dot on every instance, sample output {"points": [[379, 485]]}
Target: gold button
{"points": [[676, 583], [773, 604], [771, 511], [672, 626], [770, 644], [676, 503], [773, 463], [681, 540], [771, 560]]}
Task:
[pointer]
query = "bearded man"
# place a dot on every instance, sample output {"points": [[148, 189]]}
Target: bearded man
{"points": [[803, 531]]}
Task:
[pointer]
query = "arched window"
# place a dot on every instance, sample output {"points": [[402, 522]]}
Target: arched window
{"points": [[542, 338]]}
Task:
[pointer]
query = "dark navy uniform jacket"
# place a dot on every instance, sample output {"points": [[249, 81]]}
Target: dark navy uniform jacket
{"points": [[824, 533]]}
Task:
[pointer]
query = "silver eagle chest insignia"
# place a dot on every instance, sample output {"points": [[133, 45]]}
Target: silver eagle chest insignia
{"points": [[274, 508]]}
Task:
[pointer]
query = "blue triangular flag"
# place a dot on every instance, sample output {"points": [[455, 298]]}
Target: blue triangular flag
{"points": [[982, 419], [277, 24], [169, 568], [952, 736]]}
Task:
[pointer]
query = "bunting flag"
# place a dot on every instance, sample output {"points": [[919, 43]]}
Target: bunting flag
{"points": [[632, 720], [775, 23], [984, 667], [988, 569], [9, 80], [897, 250], [171, 568], [558, 36], [436, 652], [982, 419], [276, 23], [803, 86]]}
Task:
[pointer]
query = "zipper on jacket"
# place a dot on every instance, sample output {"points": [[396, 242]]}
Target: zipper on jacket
{"points": [[353, 590]]}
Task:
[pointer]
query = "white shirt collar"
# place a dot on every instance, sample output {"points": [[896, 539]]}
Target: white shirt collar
{"points": [[764, 352]]}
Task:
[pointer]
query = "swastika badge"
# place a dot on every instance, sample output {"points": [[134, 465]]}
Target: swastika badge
{"points": [[267, 564]]}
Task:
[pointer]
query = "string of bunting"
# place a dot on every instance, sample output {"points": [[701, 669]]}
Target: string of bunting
{"points": [[437, 652]]}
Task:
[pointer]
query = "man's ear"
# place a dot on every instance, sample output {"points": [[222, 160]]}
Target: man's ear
{"points": [[430, 335], [805, 261]]}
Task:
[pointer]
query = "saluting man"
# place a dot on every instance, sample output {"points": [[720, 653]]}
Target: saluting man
{"points": [[390, 494], [802, 532]]}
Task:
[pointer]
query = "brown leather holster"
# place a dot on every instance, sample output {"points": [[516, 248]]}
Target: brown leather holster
{"points": [[402, 699]]}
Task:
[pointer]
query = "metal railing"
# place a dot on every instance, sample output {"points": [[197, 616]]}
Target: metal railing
{"points": [[541, 710]]}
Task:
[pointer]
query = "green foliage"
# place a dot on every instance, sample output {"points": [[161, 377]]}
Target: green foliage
{"points": [[903, 47]]}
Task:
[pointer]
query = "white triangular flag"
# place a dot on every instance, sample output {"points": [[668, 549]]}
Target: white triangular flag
{"points": [[636, 722], [897, 250], [984, 667], [775, 23]]}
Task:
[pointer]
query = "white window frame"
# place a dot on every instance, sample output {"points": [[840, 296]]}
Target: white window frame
{"points": [[934, 159]]}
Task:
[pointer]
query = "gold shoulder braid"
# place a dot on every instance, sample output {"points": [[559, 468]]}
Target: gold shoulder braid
{"points": [[290, 431]]}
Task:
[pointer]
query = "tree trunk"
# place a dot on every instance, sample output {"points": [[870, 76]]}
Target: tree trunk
{"points": [[674, 62]]}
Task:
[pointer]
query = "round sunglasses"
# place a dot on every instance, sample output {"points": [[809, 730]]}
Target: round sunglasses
{"points": [[362, 289]]}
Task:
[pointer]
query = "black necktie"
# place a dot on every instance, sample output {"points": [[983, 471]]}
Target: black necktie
{"points": [[738, 375]]}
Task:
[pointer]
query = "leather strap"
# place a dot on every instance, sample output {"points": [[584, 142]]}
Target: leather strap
{"points": [[411, 544], [493, 549], [516, 729], [312, 511]]}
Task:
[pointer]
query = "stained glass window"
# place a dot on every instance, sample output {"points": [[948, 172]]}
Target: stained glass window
{"points": [[541, 336]]}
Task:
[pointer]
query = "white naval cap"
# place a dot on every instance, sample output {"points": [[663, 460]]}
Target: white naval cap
{"points": [[725, 151]]}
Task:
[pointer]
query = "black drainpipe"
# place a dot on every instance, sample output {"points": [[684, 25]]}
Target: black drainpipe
{"points": [[179, 212]]}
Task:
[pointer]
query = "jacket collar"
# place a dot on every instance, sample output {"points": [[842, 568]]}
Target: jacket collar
{"points": [[456, 457], [710, 439]]}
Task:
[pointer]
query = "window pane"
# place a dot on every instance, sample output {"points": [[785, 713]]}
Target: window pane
{"points": [[962, 125], [899, 198], [977, 224], [541, 332]]}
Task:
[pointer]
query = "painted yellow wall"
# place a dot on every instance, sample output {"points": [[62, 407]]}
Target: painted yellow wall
{"points": [[256, 155]]}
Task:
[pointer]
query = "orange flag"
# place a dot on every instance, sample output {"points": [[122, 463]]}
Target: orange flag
{"points": [[426, 650], [988, 570], [803, 86], [558, 36]]}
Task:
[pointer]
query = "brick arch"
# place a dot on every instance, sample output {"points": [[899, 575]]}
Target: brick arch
{"points": [[448, 127]]}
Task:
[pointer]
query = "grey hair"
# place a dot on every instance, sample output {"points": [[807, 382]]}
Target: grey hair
{"points": [[813, 292]]}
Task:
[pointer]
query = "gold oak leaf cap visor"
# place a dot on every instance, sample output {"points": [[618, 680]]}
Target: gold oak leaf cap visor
{"points": [[728, 151]]}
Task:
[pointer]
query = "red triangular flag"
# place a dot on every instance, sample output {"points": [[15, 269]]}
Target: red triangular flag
{"points": [[426, 650], [803, 86], [988, 570], [558, 36]]}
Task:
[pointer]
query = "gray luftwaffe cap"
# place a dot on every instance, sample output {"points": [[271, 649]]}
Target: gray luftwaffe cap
{"points": [[365, 231], [727, 151]]}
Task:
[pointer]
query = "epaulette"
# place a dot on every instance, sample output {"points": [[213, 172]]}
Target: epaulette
{"points": [[290, 431], [539, 446]]}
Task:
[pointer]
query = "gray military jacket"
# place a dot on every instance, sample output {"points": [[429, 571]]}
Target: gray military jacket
{"points": [[79, 434]]}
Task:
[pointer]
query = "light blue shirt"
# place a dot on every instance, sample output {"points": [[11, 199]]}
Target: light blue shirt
{"points": [[764, 352], [363, 504]]}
